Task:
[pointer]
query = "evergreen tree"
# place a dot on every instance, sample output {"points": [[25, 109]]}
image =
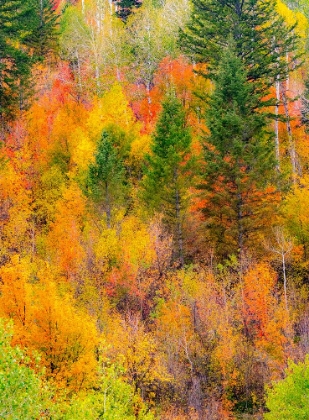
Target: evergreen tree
{"points": [[106, 180], [125, 7], [167, 175], [239, 159], [43, 35], [15, 61], [262, 39], [27, 33]]}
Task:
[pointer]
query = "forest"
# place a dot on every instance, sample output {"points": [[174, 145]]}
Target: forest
{"points": [[154, 209]]}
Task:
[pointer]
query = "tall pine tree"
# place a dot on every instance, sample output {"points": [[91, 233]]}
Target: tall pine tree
{"points": [[239, 160], [262, 39], [106, 179], [27, 33], [167, 176], [43, 35], [15, 61]]}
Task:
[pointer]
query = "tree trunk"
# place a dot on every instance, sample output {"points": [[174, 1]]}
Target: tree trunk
{"points": [[284, 281], [292, 149], [107, 206], [178, 220], [240, 233], [277, 143]]}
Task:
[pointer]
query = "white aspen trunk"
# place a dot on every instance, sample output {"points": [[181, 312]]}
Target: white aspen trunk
{"points": [[98, 21], [292, 149], [284, 281], [277, 142], [96, 61], [97, 76], [111, 7], [288, 78], [79, 75]]}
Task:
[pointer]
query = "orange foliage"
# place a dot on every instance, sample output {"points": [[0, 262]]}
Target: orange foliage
{"points": [[47, 321], [265, 316]]}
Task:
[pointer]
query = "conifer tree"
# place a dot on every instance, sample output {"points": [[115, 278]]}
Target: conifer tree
{"points": [[239, 159], [106, 180], [27, 33], [125, 7], [167, 176], [15, 62], [43, 36], [262, 38]]}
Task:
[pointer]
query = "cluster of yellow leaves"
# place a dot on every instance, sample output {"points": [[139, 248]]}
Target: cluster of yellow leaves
{"points": [[15, 209], [127, 343], [46, 320], [112, 108], [291, 17]]}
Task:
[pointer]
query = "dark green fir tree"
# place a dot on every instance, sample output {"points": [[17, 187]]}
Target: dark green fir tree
{"points": [[167, 175], [43, 35], [15, 60], [239, 160], [126, 7], [262, 39], [106, 179]]}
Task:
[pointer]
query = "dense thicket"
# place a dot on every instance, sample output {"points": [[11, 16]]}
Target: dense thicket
{"points": [[153, 244]]}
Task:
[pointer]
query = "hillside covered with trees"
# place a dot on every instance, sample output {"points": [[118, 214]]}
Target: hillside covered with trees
{"points": [[154, 209]]}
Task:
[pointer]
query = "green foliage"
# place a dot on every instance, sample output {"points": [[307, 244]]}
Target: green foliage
{"points": [[15, 63], [238, 155], [167, 175], [114, 399], [262, 38], [288, 398], [43, 37], [20, 388], [106, 180], [126, 7], [27, 31], [166, 167]]}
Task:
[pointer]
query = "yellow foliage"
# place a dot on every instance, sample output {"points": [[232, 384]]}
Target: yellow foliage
{"points": [[65, 336], [136, 242], [112, 108], [47, 321], [296, 211], [15, 208], [128, 344], [140, 146], [82, 148], [16, 296], [107, 248], [291, 17]]}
